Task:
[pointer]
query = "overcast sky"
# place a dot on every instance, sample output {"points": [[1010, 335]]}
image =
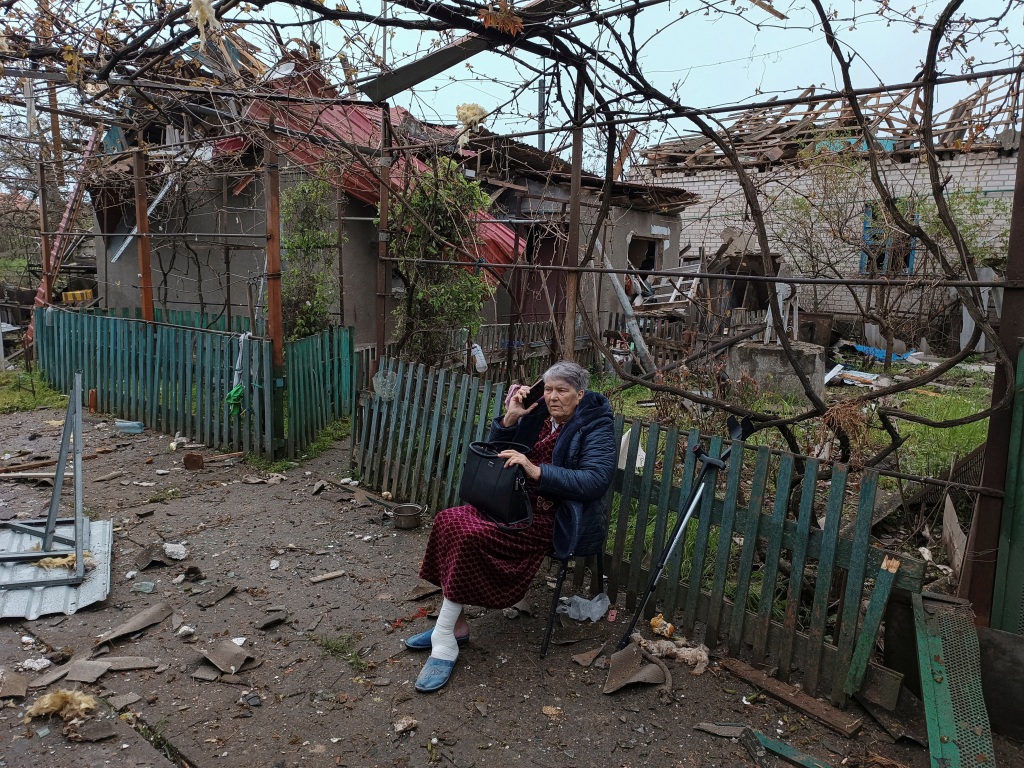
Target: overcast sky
{"points": [[715, 60]]}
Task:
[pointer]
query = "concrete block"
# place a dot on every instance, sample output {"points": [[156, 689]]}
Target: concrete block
{"points": [[768, 365]]}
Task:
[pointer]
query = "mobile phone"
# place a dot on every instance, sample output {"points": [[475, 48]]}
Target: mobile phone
{"points": [[535, 394]]}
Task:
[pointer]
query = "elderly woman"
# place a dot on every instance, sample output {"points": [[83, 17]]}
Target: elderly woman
{"points": [[568, 468]]}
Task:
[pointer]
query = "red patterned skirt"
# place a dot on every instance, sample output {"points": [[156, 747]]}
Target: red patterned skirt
{"points": [[477, 563]]}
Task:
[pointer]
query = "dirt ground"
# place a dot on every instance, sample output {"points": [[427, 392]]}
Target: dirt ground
{"points": [[302, 705]]}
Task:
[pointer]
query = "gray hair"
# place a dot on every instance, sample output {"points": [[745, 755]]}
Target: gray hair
{"points": [[572, 374]]}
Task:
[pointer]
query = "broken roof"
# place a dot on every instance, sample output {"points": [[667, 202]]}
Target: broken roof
{"points": [[985, 120], [502, 158]]}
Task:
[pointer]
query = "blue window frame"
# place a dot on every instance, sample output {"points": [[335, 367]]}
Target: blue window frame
{"points": [[884, 249]]}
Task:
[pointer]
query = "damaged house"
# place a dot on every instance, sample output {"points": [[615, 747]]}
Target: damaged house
{"points": [[208, 204], [824, 217]]}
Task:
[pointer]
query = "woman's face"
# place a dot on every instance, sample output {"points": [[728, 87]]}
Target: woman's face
{"points": [[561, 399]]}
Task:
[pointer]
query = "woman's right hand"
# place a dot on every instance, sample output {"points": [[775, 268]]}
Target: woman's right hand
{"points": [[515, 410]]}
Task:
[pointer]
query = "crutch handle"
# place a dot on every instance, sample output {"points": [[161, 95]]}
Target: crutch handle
{"points": [[703, 456]]}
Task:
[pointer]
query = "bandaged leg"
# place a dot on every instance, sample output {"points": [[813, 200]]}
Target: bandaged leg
{"points": [[442, 639]]}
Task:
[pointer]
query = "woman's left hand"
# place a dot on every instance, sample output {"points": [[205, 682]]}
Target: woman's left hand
{"points": [[512, 458]]}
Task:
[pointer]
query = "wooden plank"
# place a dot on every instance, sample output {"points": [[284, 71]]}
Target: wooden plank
{"points": [[463, 423], [700, 546], [625, 509], [670, 592], [855, 581], [798, 560], [663, 505], [818, 710], [456, 394], [633, 586], [823, 583], [413, 444], [773, 552], [869, 628], [419, 481], [722, 554], [749, 548]]}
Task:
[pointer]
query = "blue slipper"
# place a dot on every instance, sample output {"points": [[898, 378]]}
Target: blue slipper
{"points": [[434, 675], [421, 642]]}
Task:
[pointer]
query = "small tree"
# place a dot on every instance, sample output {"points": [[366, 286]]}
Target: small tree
{"points": [[436, 222], [308, 284]]}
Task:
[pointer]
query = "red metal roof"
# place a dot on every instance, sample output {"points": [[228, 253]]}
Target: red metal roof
{"points": [[347, 128]]}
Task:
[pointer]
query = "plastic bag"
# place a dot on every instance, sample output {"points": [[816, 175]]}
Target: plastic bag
{"points": [[580, 608]]}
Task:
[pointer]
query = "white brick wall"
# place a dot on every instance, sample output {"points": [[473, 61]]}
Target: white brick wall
{"points": [[722, 205]]}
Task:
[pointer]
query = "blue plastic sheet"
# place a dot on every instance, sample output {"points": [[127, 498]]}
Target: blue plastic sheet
{"points": [[879, 354]]}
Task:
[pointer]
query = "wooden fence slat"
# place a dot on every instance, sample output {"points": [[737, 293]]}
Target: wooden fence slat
{"points": [[455, 462], [633, 587], [798, 560], [724, 550], [674, 566], [823, 583], [703, 534], [625, 511], [405, 409], [401, 482], [772, 554], [748, 549], [855, 581], [443, 389], [456, 403], [664, 498]]}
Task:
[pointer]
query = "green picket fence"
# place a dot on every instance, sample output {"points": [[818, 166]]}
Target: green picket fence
{"points": [[409, 439], [748, 554], [321, 372], [172, 378]]}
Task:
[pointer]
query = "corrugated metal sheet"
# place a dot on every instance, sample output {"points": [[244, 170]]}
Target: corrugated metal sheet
{"points": [[33, 602]]}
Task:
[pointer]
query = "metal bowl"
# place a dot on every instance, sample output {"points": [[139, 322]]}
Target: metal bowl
{"points": [[407, 516]]}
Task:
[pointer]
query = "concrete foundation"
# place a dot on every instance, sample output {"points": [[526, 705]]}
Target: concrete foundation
{"points": [[768, 365]]}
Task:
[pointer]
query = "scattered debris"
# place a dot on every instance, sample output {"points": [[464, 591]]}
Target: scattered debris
{"points": [[67, 704], [405, 724], [152, 615], [227, 657], [35, 665], [275, 564], [422, 590], [627, 668], [185, 630], [93, 730], [810, 706], [523, 606], [175, 551], [123, 700], [325, 576], [85, 671], [193, 461], [109, 476], [145, 587], [667, 649], [12, 685], [250, 699], [68, 561], [320, 486], [724, 730], [210, 600], [661, 627], [154, 553], [551, 711], [759, 746], [587, 658], [273, 621], [579, 608]]}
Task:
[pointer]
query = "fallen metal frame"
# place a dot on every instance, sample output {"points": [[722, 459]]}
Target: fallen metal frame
{"points": [[46, 529]]}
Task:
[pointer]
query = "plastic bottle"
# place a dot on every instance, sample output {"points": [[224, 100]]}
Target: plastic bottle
{"points": [[479, 359]]}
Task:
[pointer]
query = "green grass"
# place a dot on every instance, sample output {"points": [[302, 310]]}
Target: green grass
{"points": [[12, 269], [21, 391], [929, 451], [333, 433], [263, 464], [344, 647], [166, 495]]}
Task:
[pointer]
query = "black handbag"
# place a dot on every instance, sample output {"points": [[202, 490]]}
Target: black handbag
{"points": [[499, 492]]}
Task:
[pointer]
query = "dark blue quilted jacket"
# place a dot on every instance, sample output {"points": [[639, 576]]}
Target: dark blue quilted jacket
{"points": [[581, 471]]}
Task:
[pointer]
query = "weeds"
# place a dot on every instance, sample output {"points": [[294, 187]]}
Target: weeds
{"points": [[263, 464], [26, 391], [333, 433], [344, 647], [165, 495]]}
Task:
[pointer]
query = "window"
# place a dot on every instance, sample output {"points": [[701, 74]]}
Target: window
{"points": [[885, 249]]}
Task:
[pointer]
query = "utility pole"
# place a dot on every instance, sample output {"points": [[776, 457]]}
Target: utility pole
{"points": [[383, 234], [44, 237], [572, 246], [142, 234], [275, 323], [978, 582]]}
